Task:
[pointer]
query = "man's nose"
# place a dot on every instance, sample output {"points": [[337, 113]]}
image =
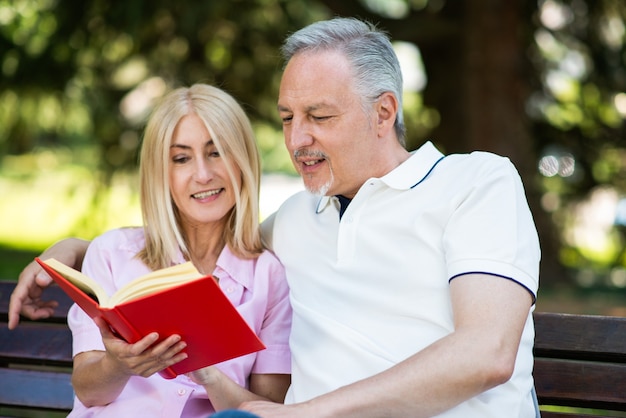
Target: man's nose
{"points": [[299, 135]]}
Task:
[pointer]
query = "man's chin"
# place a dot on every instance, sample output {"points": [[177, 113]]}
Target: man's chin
{"points": [[318, 189]]}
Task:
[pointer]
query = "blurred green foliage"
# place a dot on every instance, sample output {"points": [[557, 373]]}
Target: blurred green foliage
{"points": [[89, 75], [77, 83]]}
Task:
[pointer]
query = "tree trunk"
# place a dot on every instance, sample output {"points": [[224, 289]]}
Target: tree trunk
{"points": [[479, 79]]}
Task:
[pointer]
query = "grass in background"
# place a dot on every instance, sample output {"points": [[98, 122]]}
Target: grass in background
{"points": [[12, 261], [47, 197]]}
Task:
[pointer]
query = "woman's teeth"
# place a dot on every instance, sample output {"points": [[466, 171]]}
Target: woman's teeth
{"points": [[203, 195]]}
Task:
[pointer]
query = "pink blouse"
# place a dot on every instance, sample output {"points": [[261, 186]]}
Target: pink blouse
{"points": [[256, 287]]}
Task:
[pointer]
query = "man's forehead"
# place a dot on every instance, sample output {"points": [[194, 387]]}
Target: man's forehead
{"points": [[286, 106]]}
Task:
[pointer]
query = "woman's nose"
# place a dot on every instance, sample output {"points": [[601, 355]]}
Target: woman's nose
{"points": [[203, 172]]}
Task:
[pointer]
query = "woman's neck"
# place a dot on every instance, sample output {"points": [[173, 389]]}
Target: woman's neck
{"points": [[205, 246]]}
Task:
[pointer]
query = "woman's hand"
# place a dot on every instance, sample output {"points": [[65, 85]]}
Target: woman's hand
{"points": [[143, 358], [99, 377]]}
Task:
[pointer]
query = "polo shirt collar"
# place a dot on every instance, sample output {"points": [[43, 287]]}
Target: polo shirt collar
{"points": [[407, 175], [415, 169]]}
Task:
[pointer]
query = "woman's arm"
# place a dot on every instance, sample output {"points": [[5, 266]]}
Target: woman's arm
{"points": [[98, 377]]}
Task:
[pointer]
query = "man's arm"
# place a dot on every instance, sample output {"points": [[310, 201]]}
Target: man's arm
{"points": [[26, 298], [489, 315]]}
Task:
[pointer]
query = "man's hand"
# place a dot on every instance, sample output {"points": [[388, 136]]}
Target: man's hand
{"points": [[205, 376], [277, 410], [26, 298]]}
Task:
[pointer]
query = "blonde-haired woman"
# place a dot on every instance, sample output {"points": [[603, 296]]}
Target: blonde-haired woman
{"points": [[200, 175]]}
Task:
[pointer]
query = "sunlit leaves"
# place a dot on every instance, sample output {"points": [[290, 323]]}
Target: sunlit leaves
{"points": [[27, 23], [570, 60], [91, 73], [130, 73]]}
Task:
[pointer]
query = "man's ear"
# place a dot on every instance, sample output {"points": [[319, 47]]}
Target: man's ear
{"points": [[386, 109]]}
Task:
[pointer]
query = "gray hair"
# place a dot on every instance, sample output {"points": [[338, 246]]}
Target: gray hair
{"points": [[369, 51]]}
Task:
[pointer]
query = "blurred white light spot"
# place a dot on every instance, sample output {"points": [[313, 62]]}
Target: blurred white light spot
{"points": [[413, 74], [550, 201], [618, 277], [549, 166], [138, 102], [567, 164], [555, 15], [620, 103]]}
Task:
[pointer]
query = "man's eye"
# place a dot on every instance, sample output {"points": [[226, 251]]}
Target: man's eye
{"points": [[320, 118], [287, 119]]}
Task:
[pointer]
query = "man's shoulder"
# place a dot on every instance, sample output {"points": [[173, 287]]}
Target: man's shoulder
{"points": [[298, 201], [294, 208], [478, 162]]}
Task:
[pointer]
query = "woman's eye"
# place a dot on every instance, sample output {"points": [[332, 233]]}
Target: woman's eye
{"points": [[180, 159]]}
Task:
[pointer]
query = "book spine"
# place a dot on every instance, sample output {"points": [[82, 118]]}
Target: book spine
{"points": [[120, 325]]}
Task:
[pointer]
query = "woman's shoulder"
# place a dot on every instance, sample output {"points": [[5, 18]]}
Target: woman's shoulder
{"points": [[269, 258], [129, 238]]}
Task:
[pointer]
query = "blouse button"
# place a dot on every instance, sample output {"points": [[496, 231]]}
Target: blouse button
{"points": [[181, 391]]}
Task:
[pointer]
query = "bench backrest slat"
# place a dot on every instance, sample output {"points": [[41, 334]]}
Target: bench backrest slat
{"points": [[580, 336], [36, 389], [32, 343], [581, 384]]}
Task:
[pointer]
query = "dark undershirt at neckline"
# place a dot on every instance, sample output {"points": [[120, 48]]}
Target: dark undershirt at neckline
{"points": [[343, 204]]}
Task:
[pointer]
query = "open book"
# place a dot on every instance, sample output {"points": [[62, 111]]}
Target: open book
{"points": [[175, 300]]}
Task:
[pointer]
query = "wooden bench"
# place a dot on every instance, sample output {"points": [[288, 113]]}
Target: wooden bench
{"points": [[580, 362]]}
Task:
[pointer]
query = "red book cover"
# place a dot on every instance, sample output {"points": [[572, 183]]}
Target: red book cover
{"points": [[196, 310]]}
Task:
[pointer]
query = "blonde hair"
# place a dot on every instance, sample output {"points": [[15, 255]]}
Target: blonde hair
{"points": [[231, 132]]}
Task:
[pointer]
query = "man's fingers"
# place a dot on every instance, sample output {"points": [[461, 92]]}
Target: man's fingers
{"points": [[25, 299]]}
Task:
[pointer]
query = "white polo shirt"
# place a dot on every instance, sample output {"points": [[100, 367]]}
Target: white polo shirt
{"points": [[372, 289]]}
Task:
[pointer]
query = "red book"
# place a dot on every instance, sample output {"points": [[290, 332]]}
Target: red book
{"points": [[175, 300]]}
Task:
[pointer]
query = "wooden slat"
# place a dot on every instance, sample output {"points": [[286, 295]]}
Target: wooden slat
{"points": [[36, 389], [571, 415], [581, 384], [580, 336], [33, 343]]}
